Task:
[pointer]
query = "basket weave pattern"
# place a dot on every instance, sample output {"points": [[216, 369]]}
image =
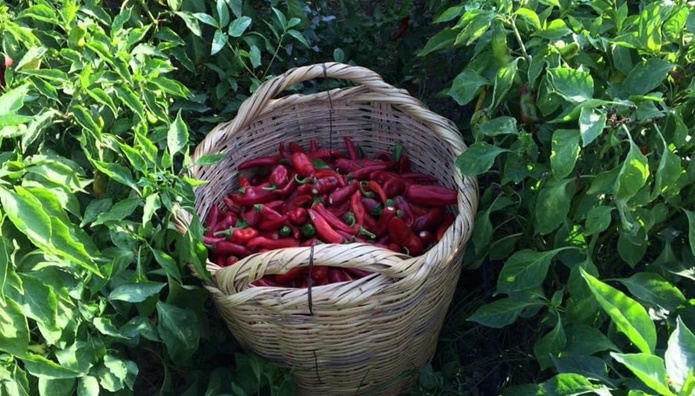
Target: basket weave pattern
{"points": [[346, 338]]}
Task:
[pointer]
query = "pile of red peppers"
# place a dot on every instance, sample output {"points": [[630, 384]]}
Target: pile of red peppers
{"points": [[302, 197]]}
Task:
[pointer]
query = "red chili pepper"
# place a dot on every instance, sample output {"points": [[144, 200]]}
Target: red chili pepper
{"points": [[340, 210], [383, 156], [345, 165], [338, 154], [221, 261], [357, 273], [261, 242], [231, 260], [394, 186], [302, 164], [395, 247], [295, 232], [327, 184], [279, 176], [282, 151], [213, 217], [357, 207], [321, 154], [432, 219], [274, 224], [297, 202], [644, 150], [404, 164], [243, 235], [212, 240], [404, 236], [446, 223], [351, 149], [383, 224], [266, 212], [244, 182], [231, 205], [254, 195], [289, 276], [404, 206], [342, 194], [227, 221], [260, 161], [431, 195], [252, 217], [310, 242], [298, 216], [372, 206], [374, 186], [403, 27], [333, 276], [295, 148], [321, 173], [288, 189], [6, 64], [264, 282], [313, 146], [365, 173], [305, 189], [319, 274], [230, 248], [333, 220], [426, 237], [323, 229]]}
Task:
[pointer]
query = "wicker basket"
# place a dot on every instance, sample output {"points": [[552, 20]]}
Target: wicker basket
{"points": [[366, 336]]}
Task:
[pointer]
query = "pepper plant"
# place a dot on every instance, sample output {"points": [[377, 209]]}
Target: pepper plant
{"points": [[581, 130]]}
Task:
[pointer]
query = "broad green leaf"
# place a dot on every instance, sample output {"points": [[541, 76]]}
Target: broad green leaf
{"points": [[13, 100], [555, 30], [206, 19], [565, 151], [83, 118], [646, 76], [56, 387], [571, 384], [39, 302], [55, 76], [691, 229], [502, 312], [629, 316], [222, 12], [443, 40], [168, 263], [178, 328], [118, 212], [6, 264], [117, 172], [136, 292], [550, 346], [673, 28], [633, 174], [525, 270], [503, 82], [668, 172], [209, 159], [177, 137], [630, 251], [482, 232], [129, 98], [648, 368], [499, 126], [530, 17], [598, 219], [41, 367], [191, 22], [172, 87], [13, 381], [622, 59], [553, 204], [574, 85], [478, 158], [449, 14], [466, 85], [591, 367], [152, 203], [81, 356], [239, 26], [649, 28], [13, 120], [654, 289], [14, 330], [299, 37], [680, 355], [473, 24], [219, 40], [591, 124], [88, 385]]}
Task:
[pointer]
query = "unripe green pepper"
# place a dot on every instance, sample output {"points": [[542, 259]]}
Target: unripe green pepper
{"points": [[499, 44]]}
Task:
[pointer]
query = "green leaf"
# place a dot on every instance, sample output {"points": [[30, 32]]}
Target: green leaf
{"points": [[565, 151], [206, 19], [466, 85], [474, 23], [648, 368], [691, 229], [591, 367], [299, 37], [555, 30], [168, 263], [571, 384], [531, 18], [525, 270], [654, 289], [118, 212], [633, 174], [239, 26], [172, 87], [574, 85], [478, 158], [128, 97], [209, 159], [668, 172], [83, 118], [219, 40], [14, 330], [629, 316], [646, 76], [81, 356], [39, 302], [502, 312], [56, 387], [598, 220], [178, 329], [116, 172], [499, 126], [449, 14], [680, 355], [443, 40], [587, 340], [191, 22], [6, 265], [591, 124], [117, 373], [503, 82], [41, 367], [177, 137], [13, 100], [136, 292], [222, 12], [553, 204], [630, 251], [88, 385], [550, 346]]}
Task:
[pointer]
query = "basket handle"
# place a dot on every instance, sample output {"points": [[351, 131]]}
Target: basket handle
{"points": [[255, 105]]}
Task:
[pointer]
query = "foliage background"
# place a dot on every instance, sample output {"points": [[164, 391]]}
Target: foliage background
{"points": [[579, 274]]}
